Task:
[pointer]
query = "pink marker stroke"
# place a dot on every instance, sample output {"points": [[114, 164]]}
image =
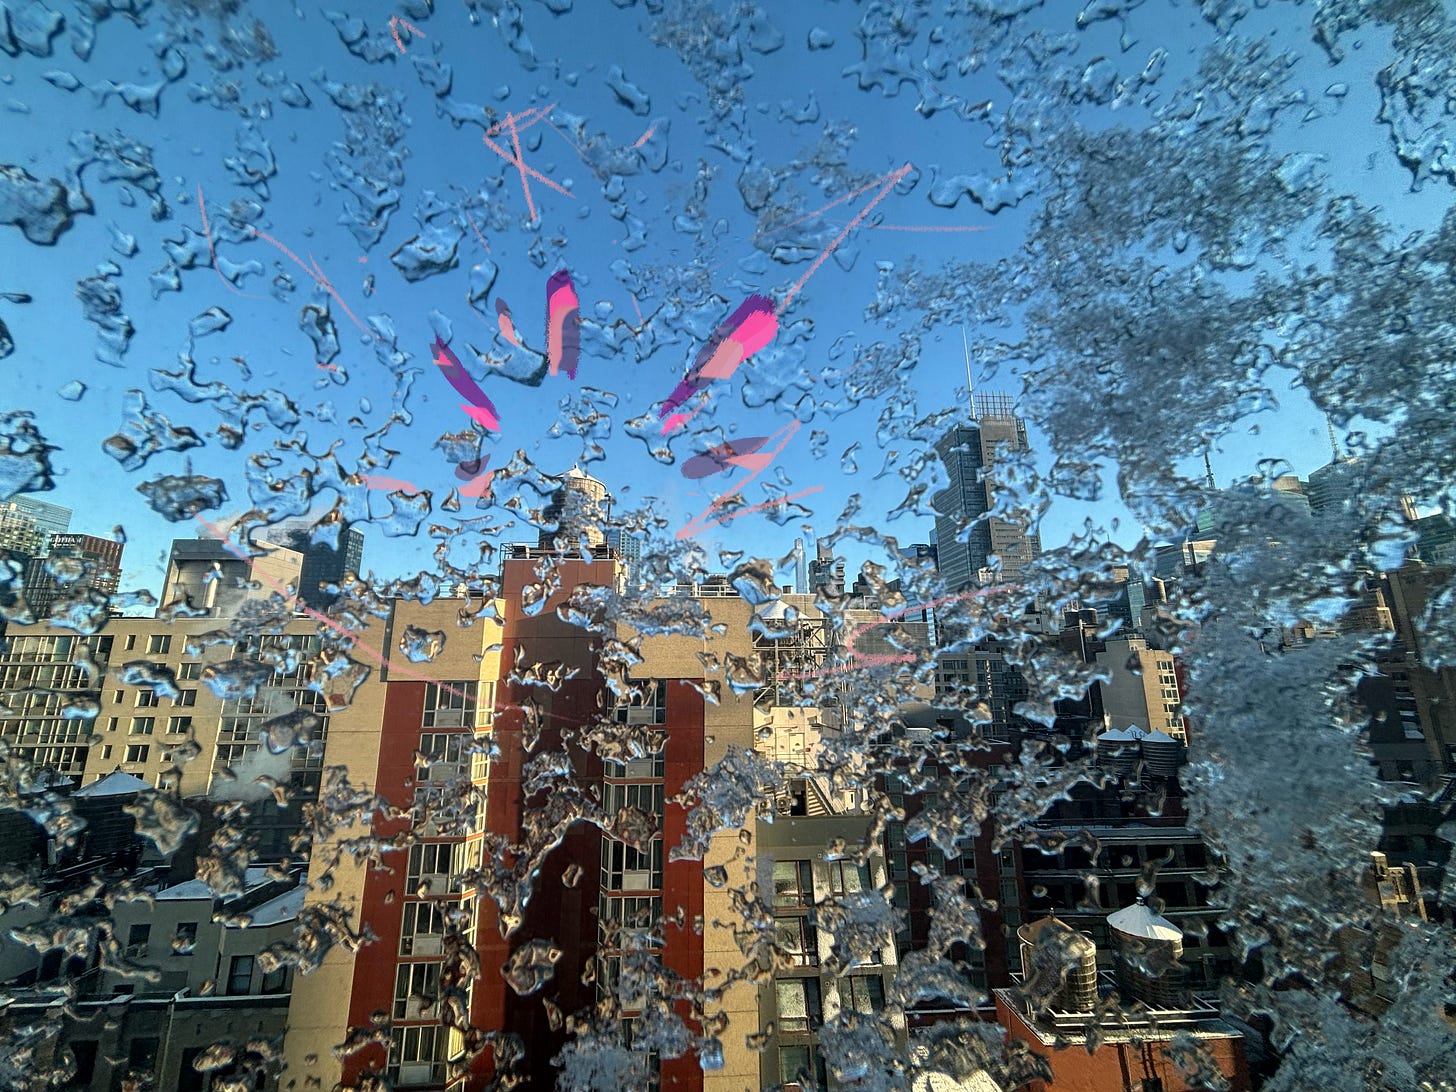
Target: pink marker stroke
{"points": [[744, 333], [563, 324], [390, 485], [480, 408], [758, 461]]}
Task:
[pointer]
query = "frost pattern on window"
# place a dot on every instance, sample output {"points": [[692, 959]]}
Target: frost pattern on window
{"points": [[962, 570]]}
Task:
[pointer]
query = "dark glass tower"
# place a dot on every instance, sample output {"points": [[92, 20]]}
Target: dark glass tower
{"points": [[969, 453]]}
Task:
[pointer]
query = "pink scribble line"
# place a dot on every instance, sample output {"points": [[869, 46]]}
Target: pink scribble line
{"points": [[394, 22], [207, 231], [511, 123], [324, 620], [914, 227], [378, 481], [889, 181], [645, 137], [318, 276]]}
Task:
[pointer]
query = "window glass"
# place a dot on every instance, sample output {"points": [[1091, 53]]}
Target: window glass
{"points": [[1015, 438]]}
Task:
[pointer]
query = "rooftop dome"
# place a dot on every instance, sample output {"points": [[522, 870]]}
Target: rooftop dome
{"points": [[1116, 735], [1138, 920]]}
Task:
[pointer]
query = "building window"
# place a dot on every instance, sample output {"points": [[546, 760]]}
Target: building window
{"points": [[137, 752], [143, 726], [184, 940], [188, 672], [793, 883], [240, 975], [802, 1066], [111, 723], [451, 705], [630, 912], [416, 1056], [106, 752], [433, 864], [185, 698], [179, 725], [626, 868], [416, 990], [276, 980], [137, 938], [443, 753], [798, 940], [131, 642], [119, 697], [646, 798], [863, 993], [422, 931], [847, 877], [84, 1052], [159, 643], [146, 698], [799, 1008], [644, 768], [142, 1054], [644, 703]]}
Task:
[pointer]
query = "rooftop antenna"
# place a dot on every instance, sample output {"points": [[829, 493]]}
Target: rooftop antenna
{"points": [[970, 386], [1208, 470], [1334, 444]]}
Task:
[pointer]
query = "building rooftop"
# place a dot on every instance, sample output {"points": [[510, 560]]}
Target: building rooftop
{"points": [[114, 784], [253, 878], [275, 911], [1138, 920]]}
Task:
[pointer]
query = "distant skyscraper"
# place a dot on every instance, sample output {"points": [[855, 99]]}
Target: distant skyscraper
{"points": [[801, 568], [26, 525], [825, 573], [967, 452], [207, 575], [322, 563], [74, 563], [628, 545]]}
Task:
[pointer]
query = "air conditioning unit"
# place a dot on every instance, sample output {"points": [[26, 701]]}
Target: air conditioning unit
{"points": [[426, 944], [641, 714], [637, 879], [417, 1073]]}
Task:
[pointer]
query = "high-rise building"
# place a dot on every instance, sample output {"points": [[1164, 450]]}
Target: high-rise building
{"points": [[801, 568], [74, 565], [970, 453], [1141, 689], [26, 525], [207, 576], [322, 564], [826, 574], [628, 546]]}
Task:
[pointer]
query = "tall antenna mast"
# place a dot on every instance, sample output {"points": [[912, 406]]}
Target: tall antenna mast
{"points": [[970, 386], [1334, 444], [1208, 469]]}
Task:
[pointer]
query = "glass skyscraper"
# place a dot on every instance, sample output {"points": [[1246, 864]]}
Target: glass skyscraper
{"points": [[969, 453]]}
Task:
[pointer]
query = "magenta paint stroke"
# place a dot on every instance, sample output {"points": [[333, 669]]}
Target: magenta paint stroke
{"points": [[479, 407], [744, 333], [724, 457], [563, 324]]}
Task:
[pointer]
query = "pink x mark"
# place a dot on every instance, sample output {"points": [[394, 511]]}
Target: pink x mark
{"points": [[513, 124]]}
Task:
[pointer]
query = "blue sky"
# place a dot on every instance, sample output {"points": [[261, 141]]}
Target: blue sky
{"points": [[674, 230]]}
